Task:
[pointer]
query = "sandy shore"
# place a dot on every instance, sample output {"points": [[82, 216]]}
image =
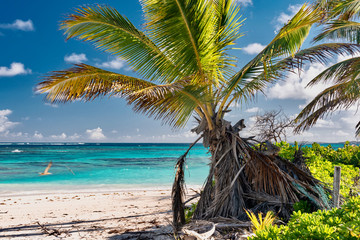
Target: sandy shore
{"points": [[122, 214]]}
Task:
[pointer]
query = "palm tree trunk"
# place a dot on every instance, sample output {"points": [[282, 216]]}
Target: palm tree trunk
{"points": [[242, 177]]}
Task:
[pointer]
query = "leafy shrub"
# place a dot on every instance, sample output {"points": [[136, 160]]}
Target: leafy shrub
{"points": [[342, 223], [322, 160], [302, 206]]}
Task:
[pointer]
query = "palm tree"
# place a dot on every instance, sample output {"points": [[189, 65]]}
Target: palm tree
{"points": [[183, 58], [340, 23]]}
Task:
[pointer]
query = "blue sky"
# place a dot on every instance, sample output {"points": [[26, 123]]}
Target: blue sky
{"points": [[32, 45]]}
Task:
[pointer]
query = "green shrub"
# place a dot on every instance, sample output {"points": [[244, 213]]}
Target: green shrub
{"points": [[342, 223], [302, 206], [322, 160]]}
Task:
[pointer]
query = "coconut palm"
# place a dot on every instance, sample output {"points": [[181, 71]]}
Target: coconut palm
{"points": [[183, 57], [340, 23]]}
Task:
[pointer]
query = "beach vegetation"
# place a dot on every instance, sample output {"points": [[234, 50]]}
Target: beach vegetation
{"points": [[183, 56], [259, 222], [337, 223], [321, 161]]}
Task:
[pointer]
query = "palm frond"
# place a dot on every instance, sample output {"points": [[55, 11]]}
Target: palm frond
{"points": [[286, 43], [322, 53], [347, 9], [340, 72], [173, 103], [86, 82], [340, 29], [339, 96], [110, 31], [186, 30]]}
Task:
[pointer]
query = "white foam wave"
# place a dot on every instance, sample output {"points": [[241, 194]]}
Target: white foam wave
{"points": [[17, 151]]}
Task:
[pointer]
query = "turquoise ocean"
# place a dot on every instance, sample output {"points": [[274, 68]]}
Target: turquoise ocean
{"points": [[98, 165]]}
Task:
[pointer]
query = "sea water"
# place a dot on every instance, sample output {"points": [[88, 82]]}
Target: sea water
{"points": [[100, 165], [80, 165]]}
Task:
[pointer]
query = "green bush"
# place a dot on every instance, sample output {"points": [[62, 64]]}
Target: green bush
{"points": [[322, 160], [342, 223]]}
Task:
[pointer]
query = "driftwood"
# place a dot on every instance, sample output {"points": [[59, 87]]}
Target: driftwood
{"points": [[51, 231], [202, 229]]}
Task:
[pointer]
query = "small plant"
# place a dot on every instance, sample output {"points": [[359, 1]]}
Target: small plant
{"points": [[259, 223], [189, 212]]}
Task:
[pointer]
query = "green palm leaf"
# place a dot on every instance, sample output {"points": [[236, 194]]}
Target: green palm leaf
{"points": [[338, 96], [173, 103], [186, 30], [340, 72], [341, 29], [86, 82], [347, 9], [286, 42], [113, 33], [343, 94]]}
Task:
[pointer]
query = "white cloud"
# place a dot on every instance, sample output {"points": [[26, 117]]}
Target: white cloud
{"points": [[19, 25], [253, 110], [116, 63], [244, 3], [293, 87], [59, 137], [341, 133], [341, 58], [38, 135], [15, 69], [322, 123], [75, 136], [284, 17], [253, 48], [5, 123], [75, 58], [51, 105], [95, 134]]}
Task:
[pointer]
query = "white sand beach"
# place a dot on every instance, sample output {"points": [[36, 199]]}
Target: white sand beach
{"points": [[121, 214]]}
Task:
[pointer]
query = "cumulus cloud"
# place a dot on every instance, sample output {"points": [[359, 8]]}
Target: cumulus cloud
{"points": [[19, 24], [95, 134], [15, 69], [38, 135], [323, 123], [293, 87], [116, 63], [253, 110], [253, 48], [284, 17], [244, 3], [5, 123], [58, 137], [75, 58], [75, 136]]}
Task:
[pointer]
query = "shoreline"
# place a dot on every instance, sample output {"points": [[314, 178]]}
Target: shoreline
{"points": [[9, 190]]}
